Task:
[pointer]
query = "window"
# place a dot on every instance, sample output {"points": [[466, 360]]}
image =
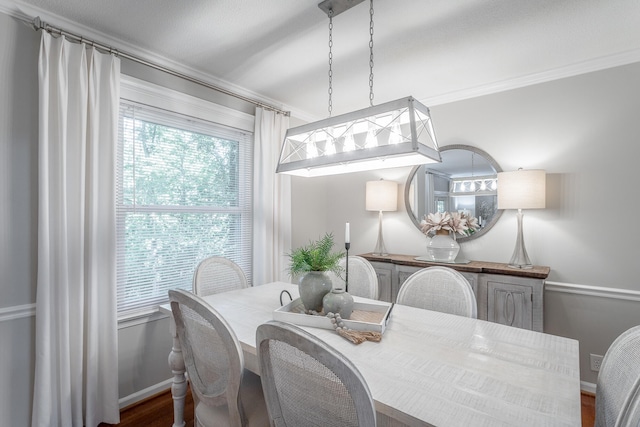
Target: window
{"points": [[183, 194]]}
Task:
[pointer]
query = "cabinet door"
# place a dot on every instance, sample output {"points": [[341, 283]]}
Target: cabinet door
{"points": [[384, 272], [510, 304], [404, 272], [471, 278]]}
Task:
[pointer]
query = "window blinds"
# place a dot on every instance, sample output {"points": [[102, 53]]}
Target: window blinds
{"points": [[183, 194]]}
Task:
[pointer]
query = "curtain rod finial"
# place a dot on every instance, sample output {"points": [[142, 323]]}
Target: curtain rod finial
{"points": [[37, 23]]}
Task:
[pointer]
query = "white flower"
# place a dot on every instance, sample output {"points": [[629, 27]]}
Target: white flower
{"points": [[472, 222], [436, 221], [458, 222]]}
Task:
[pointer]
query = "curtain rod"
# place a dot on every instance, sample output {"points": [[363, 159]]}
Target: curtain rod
{"points": [[38, 24]]}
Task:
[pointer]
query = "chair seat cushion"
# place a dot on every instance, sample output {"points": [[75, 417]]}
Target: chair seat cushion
{"points": [[253, 402]]}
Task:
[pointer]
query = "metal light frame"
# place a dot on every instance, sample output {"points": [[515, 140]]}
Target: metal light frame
{"points": [[403, 132], [395, 134]]}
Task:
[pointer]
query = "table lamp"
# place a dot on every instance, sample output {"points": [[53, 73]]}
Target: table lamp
{"points": [[381, 196], [521, 189]]}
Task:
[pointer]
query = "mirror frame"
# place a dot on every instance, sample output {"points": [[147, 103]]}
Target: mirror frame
{"points": [[414, 170]]}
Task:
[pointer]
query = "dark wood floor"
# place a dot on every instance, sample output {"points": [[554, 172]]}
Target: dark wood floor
{"points": [[154, 411], [157, 411], [588, 409]]}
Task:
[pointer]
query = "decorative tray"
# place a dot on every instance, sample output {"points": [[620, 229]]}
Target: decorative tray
{"points": [[366, 316]]}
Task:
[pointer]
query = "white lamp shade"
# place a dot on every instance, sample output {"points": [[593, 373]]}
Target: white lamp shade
{"points": [[382, 195], [522, 189]]}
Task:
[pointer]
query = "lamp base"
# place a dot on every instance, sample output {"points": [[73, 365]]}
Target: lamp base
{"points": [[380, 249], [520, 258], [521, 266]]}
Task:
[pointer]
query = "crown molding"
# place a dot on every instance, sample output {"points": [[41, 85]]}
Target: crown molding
{"points": [[27, 13], [584, 67], [597, 64]]}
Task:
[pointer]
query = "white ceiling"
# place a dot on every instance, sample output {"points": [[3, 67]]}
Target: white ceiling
{"points": [[434, 50]]}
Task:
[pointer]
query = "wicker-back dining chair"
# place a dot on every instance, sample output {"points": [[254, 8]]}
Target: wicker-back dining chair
{"points": [[224, 393], [306, 382], [363, 281], [439, 289], [217, 274], [618, 385]]}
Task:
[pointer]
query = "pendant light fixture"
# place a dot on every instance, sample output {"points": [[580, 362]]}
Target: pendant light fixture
{"points": [[394, 134]]}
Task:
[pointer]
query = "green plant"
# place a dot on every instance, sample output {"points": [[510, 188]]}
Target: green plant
{"points": [[316, 256]]}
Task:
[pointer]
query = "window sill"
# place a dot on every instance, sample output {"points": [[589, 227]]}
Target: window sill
{"points": [[140, 317]]}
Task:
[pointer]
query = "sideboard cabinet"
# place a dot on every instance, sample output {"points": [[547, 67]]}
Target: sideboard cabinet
{"points": [[504, 295]]}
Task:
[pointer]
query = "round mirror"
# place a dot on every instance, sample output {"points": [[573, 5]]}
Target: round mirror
{"points": [[466, 180]]}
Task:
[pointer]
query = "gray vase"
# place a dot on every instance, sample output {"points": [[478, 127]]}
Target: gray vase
{"points": [[313, 286], [338, 301]]}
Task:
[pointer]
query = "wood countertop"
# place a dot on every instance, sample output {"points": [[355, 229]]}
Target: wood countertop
{"points": [[537, 272]]}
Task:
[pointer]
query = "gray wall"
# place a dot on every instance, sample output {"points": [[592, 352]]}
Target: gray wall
{"points": [[18, 217], [584, 132]]}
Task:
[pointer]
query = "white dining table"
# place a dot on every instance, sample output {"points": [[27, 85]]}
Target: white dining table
{"points": [[430, 368]]}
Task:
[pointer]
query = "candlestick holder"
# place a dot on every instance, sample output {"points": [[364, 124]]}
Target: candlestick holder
{"points": [[346, 275]]}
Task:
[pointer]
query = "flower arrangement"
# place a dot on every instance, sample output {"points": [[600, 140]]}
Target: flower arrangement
{"points": [[458, 222]]}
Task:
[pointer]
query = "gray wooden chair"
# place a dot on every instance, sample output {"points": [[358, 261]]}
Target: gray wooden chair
{"points": [[306, 382], [618, 385], [224, 393], [217, 274], [439, 289], [363, 281]]}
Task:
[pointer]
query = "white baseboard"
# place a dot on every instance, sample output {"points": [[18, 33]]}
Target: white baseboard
{"points": [[588, 387], [143, 394]]}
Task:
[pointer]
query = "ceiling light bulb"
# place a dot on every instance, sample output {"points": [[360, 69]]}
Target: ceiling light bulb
{"points": [[330, 147], [372, 139], [395, 135], [312, 149], [349, 143]]}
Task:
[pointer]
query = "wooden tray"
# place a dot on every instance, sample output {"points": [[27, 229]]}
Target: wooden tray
{"points": [[366, 316]]}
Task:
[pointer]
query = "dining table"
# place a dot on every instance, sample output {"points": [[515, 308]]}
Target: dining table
{"points": [[429, 368]]}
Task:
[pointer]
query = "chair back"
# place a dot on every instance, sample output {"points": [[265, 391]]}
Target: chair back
{"points": [[212, 354], [618, 385], [363, 280], [440, 289], [306, 382], [217, 274]]}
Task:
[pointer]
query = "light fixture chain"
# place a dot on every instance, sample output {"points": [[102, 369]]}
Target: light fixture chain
{"points": [[371, 55], [330, 61]]}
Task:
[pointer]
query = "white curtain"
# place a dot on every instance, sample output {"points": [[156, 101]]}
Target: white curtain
{"points": [[271, 200], [76, 376]]}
